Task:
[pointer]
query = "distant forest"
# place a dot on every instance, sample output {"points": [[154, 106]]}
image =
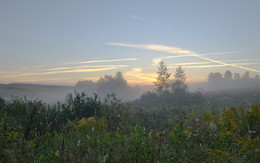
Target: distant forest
{"points": [[110, 84], [230, 81]]}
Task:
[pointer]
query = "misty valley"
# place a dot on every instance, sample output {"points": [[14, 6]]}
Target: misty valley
{"points": [[111, 121], [129, 81]]}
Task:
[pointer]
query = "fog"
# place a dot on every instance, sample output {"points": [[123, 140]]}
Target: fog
{"points": [[218, 84], [111, 85], [51, 94]]}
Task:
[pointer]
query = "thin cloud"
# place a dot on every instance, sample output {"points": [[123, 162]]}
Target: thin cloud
{"points": [[205, 66], [91, 61], [135, 74], [2, 72], [41, 79], [155, 47], [189, 63], [70, 71], [39, 66], [175, 50], [155, 61], [146, 20], [203, 63], [240, 60], [87, 66], [67, 68], [67, 71], [158, 59], [103, 61]]}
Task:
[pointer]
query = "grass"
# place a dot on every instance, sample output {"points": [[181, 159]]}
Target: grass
{"points": [[85, 129]]}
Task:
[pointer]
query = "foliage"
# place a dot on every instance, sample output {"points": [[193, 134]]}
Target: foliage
{"points": [[228, 75], [215, 77], [85, 129], [217, 81], [179, 85], [180, 98], [109, 84], [163, 79], [239, 127]]}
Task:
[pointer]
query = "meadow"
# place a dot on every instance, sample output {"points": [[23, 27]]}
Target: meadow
{"points": [[87, 129]]}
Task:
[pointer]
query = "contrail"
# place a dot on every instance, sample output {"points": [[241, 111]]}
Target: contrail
{"points": [[176, 50]]}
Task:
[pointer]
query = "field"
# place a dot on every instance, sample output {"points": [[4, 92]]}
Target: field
{"points": [[87, 129]]}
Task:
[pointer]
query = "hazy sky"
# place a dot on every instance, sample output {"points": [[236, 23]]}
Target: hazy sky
{"points": [[63, 41]]}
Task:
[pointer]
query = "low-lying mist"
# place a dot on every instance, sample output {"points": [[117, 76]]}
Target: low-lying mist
{"points": [[51, 94], [228, 85], [111, 85]]}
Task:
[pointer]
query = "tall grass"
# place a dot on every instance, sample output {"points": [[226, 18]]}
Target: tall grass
{"points": [[86, 129]]}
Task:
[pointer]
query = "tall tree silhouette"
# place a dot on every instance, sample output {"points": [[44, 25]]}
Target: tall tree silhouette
{"points": [[163, 79], [214, 77], [237, 76], [179, 80], [228, 75], [246, 75]]}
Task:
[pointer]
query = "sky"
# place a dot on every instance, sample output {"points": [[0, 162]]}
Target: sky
{"points": [[64, 41]]}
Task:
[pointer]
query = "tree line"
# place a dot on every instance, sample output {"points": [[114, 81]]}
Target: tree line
{"points": [[109, 84], [229, 80], [164, 83], [170, 91], [228, 75]]}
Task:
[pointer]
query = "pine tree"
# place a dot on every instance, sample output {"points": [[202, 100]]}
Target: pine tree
{"points": [[162, 81], [179, 81]]}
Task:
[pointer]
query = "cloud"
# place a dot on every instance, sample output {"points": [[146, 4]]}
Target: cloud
{"points": [[42, 79], [62, 70], [189, 63], [176, 50], [146, 20], [204, 66], [39, 66], [87, 66], [2, 72], [155, 47], [103, 61], [203, 63], [70, 71], [86, 62], [67, 68], [155, 61], [137, 69], [135, 74], [240, 60]]}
